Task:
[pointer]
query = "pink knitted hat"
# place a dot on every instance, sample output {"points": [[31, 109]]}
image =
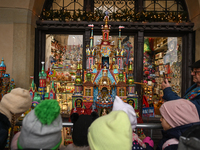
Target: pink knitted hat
{"points": [[179, 112]]}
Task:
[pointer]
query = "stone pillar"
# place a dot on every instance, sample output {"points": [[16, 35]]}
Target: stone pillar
{"points": [[17, 38]]}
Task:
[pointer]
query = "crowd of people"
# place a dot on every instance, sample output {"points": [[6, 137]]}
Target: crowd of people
{"points": [[41, 127]]}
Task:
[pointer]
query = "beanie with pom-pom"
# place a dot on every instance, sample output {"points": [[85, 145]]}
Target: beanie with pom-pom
{"points": [[41, 128]]}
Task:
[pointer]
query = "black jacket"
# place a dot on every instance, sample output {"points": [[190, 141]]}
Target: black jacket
{"points": [[173, 133], [190, 139], [4, 126]]}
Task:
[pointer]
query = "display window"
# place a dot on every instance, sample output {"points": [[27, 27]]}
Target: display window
{"points": [[162, 60], [63, 56]]}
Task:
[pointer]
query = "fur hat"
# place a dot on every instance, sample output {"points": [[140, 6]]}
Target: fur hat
{"points": [[80, 127], [179, 112], [41, 128], [17, 101], [112, 131], [128, 109], [196, 64]]}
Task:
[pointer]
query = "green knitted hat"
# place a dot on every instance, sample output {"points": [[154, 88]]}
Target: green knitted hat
{"points": [[41, 128], [47, 111]]}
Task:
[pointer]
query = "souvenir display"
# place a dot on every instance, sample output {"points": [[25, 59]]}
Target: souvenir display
{"points": [[162, 61]]}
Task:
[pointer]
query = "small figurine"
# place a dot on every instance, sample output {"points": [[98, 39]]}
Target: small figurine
{"points": [[104, 112]]}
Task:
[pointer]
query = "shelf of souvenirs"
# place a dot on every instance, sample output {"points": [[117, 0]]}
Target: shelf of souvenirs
{"points": [[60, 81], [64, 93], [162, 45], [64, 69]]}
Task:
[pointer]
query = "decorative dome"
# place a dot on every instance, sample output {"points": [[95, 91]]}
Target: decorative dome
{"points": [[2, 64]]}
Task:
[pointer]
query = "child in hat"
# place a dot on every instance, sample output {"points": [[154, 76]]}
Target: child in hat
{"points": [[80, 129], [14, 103], [111, 132], [177, 117], [41, 128], [145, 144]]}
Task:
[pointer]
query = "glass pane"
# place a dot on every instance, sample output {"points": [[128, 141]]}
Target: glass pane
{"points": [[162, 59], [163, 5], [62, 57], [114, 6]]}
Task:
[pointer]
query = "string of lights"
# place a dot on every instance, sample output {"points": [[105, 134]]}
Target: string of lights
{"points": [[123, 16]]}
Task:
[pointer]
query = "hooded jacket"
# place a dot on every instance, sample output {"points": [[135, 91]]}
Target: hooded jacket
{"points": [[173, 133]]}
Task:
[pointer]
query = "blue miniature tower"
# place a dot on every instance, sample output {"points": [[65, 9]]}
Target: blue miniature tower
{"points": [[2, 68]]}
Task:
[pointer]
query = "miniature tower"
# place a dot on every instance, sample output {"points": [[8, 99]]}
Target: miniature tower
{"points": [[5, 84], [132, 97], [32, 88], [77, 96], [2, 68], [120, 51], [121, 86], [90, 51], [52, 93], [42, 85], [78, 80]]}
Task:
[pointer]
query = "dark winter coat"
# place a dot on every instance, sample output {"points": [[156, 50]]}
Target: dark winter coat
{"points": [[173, 133], [190, 139], [4, 126], [170, 95]]}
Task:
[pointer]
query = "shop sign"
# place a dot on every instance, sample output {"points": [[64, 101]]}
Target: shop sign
{"points": [[148, 112]]}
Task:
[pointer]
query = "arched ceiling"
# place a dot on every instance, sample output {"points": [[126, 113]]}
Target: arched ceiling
{"points": [[33, 5], [194, 12]]}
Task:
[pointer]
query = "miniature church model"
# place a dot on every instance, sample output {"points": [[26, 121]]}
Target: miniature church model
{"points": [[104, 77]]}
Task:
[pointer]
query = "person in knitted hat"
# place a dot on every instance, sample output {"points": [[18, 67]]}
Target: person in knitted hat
{"points": [[111, 132], [147, 143], [41, 128], [14, 103], [177, 116], [80, 129]]}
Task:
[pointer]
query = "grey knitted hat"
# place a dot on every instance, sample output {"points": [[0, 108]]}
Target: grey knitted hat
{"points": [[41, 128]]}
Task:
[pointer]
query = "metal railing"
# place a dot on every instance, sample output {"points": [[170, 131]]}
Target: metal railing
{"points": [[150, 126]]}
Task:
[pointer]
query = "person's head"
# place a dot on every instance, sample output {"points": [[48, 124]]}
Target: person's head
{"points": [[112, 131], [128, 109], [41, 128], [16, 102], [178, 112], [80, 128], [195, 72]]}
